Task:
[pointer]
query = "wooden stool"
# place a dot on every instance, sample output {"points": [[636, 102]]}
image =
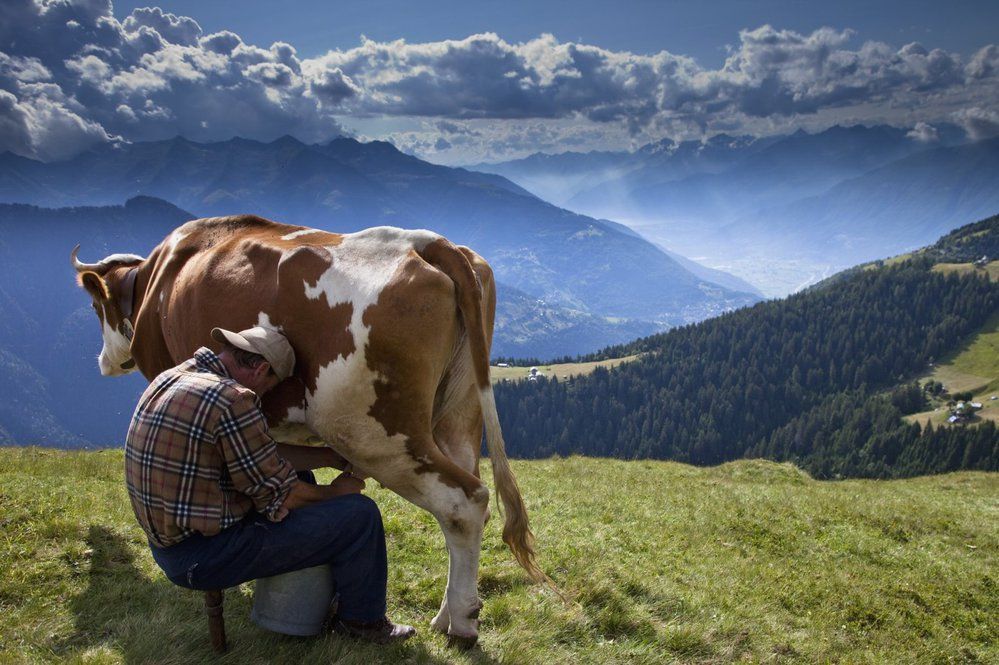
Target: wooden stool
{"points": [[216, 622]]}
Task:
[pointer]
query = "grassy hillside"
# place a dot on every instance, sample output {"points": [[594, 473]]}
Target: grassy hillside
{"points": [[974, 367], [557, 370], [664, 562], [992, 268]]}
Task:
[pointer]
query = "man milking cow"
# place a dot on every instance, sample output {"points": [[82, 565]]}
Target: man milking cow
{"points": [[391, 333], [220, 506]]}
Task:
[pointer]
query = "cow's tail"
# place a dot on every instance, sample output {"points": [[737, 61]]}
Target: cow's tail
{"points": [[516, 529]]}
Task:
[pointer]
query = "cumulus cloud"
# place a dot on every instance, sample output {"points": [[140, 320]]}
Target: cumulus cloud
{"points": [[924, 133], [155, 74], [332, 86], [174, 29], [770, 73], [74, 76], [42, 124], [978, 123]]}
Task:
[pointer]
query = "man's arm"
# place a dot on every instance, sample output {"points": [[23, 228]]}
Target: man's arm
{"points": [[306, 458], [305, 494], [250, 456], [257, 470]]}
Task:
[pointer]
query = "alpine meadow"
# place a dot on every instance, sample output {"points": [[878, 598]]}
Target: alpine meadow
{"points": [[518, 333]]}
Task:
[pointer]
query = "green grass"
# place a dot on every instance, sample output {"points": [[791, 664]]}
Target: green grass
{"points": [[561, 370], [991, 269], [972, 367], [750, 561]]}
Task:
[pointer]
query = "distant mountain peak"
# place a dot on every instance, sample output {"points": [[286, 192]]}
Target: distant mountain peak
{"points": [[286, 140], [146, 203]]}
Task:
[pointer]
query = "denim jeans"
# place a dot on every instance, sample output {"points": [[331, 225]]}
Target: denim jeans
{"points": [[345, 532]]}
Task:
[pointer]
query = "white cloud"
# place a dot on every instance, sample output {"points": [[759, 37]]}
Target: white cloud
{"points": [[979, 123], [155, 75], [924, 133], [174, 29], [40, 123], [332, 86], [771, 72]]}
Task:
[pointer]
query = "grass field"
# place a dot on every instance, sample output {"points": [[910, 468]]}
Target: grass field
{"points": [[991, 268], [750, 561], [562, 371], [972, 367]]}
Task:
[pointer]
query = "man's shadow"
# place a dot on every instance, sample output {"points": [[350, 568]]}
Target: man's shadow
{"points": [[150, 620], [124, 610]]}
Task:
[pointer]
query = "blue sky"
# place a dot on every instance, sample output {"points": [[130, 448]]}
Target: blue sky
{"points": [[697, 28], [480, 81]]}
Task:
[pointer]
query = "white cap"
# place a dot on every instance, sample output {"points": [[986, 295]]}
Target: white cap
{"points": [[267, 342]]}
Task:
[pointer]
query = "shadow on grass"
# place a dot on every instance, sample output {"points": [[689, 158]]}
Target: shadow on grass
{"points": [[151, 620]]}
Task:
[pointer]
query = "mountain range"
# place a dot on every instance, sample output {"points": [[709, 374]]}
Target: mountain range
{"points": [[821, 378], [564, 258], [49, 337], [779, 211]]}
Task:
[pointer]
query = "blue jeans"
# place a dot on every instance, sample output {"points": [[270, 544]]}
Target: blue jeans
{"points": [[345, 532]]}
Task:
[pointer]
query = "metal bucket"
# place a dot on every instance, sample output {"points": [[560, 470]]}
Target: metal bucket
{"points": [[294, 603]]}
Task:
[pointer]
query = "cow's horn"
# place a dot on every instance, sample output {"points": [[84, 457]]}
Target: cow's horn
{"points": [[80, 267]]}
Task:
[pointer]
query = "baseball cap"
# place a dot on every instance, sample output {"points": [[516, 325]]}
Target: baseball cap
{"points": [[267, 342]]}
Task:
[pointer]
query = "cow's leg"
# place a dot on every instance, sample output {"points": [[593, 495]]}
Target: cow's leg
{"points": [[459, 501], [458, 435]]}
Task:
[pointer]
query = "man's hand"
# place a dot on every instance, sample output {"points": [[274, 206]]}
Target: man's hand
{"points": [[347, 483], [304, 494]]}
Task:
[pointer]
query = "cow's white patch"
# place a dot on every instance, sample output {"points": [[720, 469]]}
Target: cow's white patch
{"points": [[264, 321], [124, 258], [299, 234], [115, 352], [295, 415], [361, 266]]}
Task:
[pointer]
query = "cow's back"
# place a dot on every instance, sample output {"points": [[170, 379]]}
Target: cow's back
{"points": [[361, 310]]}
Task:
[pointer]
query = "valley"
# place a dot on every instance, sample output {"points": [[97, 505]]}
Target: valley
{"points": [[780, 211]]}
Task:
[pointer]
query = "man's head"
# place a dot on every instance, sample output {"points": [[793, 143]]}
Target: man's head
{"points": [[258, 358]]}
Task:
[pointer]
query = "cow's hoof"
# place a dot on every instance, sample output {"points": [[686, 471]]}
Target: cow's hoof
{"points": [[462, 642], [440, 623]]}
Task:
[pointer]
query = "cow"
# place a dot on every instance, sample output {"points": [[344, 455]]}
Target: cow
{"points": [[391, 329]]}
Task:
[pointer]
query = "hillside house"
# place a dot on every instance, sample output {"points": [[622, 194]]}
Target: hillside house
{"points": [[963, 411]]}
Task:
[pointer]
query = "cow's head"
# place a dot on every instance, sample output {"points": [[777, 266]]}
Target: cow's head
{"points": [[110, 285]]}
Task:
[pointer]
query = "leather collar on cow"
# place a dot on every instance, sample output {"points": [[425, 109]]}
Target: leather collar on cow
{"points": [[125, 301]]}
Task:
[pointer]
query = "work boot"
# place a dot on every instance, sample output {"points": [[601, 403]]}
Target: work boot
{"points": [[381, 631]]}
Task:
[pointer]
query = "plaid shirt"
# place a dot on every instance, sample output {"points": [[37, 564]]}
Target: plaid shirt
{"points": [[198, 457]]}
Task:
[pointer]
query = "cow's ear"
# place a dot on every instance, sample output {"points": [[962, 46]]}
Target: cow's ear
{"points": [[95, 285]]}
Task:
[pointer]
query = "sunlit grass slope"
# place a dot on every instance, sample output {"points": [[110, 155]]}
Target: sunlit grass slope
{"points": [[973, 367], [750, 561], [991, 268], [558, 370]]}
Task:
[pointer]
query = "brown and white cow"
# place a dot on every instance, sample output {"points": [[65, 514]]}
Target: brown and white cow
{"points": [[391, 331]]}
